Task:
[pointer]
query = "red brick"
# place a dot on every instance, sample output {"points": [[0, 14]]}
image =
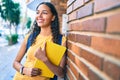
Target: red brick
{"points": [[85, 11], [55, 2], [62, 8], [93, 76], [93, 59], [74, 71], [113, 24], [72, 16], [83, 39], [96, 25], [82, 67], [102, 5], [106, 45], [81, 77], [71, 57], [63, 1], [70, 75], [75, 49], [71, 37], [78, 3], [76, 26], [59, 6], [112, 70], [69, 45]]}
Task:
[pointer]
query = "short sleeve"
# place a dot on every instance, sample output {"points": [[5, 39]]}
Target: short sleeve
{"points": [[26, 37], [63, 40]]}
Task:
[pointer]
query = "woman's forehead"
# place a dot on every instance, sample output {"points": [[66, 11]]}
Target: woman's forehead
{"points": [[43, 7]]}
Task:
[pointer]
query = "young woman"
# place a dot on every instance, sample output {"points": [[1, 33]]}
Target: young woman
{"points": [[46, 28]]}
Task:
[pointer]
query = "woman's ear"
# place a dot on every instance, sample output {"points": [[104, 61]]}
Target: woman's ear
{"points": [[53, 18]]}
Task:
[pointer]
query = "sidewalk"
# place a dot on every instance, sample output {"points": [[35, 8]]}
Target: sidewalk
{"points": [[7, 55]]}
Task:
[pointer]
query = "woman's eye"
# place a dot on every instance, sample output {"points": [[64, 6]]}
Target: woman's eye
{"points": [[44, 12], [37, 12]]}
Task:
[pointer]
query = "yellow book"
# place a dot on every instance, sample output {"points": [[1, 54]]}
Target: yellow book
{"points": [[55, 53]]}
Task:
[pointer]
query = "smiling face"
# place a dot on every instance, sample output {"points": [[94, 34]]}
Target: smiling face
{"points": [[44, 16]]}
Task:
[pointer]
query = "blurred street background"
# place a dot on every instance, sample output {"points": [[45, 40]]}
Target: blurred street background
{"points": [[7, 55], [16, 17], [92, 29], [14, 24]]}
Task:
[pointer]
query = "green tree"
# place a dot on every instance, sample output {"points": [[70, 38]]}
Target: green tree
{"points": [[10, 12], [29, 21]]}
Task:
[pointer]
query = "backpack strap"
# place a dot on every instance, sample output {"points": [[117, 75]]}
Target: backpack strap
{"points": [[60, 39], [28, 42]]}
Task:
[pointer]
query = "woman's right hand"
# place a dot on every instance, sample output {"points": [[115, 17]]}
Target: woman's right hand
{"points": [[31, 71]]}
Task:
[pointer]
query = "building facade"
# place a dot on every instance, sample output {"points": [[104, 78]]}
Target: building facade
{"points": [[93, 38]]}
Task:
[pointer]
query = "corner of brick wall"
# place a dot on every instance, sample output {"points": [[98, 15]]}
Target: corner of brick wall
{"points": [[61, 7], [93, 40]]}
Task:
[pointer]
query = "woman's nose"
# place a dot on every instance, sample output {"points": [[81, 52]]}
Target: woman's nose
{"points": [[39, 15]]}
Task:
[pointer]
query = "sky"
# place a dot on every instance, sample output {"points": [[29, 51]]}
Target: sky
{"points": [[30, 12], [29, 7]]}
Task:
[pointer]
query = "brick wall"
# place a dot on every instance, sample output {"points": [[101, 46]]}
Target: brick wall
{"points": [[93, 40], [61, 7]]}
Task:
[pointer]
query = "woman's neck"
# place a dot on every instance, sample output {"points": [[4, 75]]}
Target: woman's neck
{"points": [[46, 31]]}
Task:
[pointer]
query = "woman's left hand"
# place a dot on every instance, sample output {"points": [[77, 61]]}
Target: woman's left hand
{"points": [[41, 53]]}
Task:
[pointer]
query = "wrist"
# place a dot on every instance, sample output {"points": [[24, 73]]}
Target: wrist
{"points": [[45, 60], [21, 70]]}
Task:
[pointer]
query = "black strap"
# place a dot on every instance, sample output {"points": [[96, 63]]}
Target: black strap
{"points": [[28, 43], [60, 39]]}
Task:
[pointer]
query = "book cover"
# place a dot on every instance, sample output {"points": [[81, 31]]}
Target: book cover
{"points": [[55, 53]]}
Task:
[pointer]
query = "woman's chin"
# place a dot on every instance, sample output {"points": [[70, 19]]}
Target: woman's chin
{"points": [[40, 25]]}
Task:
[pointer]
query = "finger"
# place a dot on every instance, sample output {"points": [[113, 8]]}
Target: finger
{"points": [[40, 48], [39, 72], [36, 71]]}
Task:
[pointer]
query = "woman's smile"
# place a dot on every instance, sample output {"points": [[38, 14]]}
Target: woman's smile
{"points": [[40, 20]]}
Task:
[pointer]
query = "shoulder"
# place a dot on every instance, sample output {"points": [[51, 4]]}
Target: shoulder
{"points": [[26, 37]]}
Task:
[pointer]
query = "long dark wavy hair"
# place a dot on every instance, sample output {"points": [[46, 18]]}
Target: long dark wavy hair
{"points": [[54, 25]]}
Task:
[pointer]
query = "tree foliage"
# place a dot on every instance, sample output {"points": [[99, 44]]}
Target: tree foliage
{"points": [[10, 11], [29, 21]]}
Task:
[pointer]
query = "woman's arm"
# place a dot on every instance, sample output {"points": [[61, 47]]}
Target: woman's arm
{"points": [[16, 64], [58, 70]]}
